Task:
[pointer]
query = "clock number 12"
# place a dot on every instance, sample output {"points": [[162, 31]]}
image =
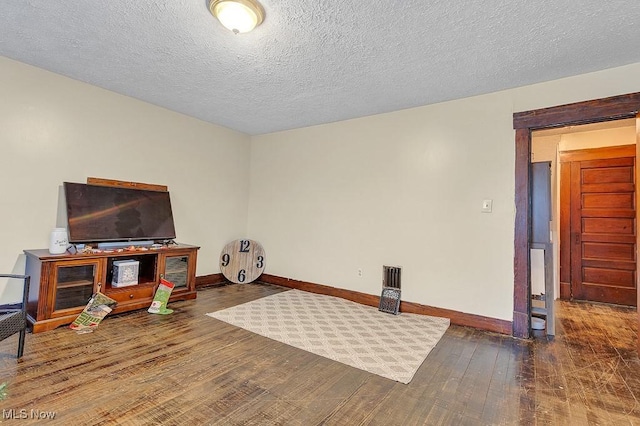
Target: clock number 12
{"points": [[244, 246]]}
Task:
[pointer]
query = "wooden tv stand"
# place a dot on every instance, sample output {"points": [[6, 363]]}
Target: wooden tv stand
{"points": [[61, 284]]}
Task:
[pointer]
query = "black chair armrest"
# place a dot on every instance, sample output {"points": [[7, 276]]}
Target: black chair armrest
{"points": [[15, 320], [25, 290]]}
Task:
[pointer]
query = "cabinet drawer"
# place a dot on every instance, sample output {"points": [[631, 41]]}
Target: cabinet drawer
{"points": [[133, 292]]}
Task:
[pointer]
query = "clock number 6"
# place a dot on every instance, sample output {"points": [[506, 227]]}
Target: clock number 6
{"points": [[244, 246], [260, 263], [225, 259], [241, 275]]}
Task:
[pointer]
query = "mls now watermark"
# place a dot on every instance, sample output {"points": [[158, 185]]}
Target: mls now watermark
{"points": [[24, 414]]}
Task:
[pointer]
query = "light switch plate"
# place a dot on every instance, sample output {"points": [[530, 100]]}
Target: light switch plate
{"points": [[487, 206]]}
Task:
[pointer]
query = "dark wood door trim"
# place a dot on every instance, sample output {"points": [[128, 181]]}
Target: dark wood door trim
{"points": [[606, 109], [598, 110], [522, 266]]}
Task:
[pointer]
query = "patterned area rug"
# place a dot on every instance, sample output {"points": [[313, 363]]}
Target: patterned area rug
{"points": [[391, 346]]}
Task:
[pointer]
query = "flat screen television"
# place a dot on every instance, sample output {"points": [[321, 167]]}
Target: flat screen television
{"points": [[103, 213]]}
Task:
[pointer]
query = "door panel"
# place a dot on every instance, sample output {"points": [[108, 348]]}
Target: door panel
{"points": [[603, 230], [608, 212], [604, 225], [609, 276], [612, 201], [617, 264], [593, 250], [605, 187], [607, 175]]}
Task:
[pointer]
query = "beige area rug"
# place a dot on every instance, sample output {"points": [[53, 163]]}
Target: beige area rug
{"points": [[392, 346]]}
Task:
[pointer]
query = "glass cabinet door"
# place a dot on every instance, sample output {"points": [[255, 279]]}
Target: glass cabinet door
{"points": [[176, 270], [75, 284]]}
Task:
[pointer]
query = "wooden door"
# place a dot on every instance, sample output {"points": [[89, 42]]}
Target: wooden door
{"points": [[603, 226]]}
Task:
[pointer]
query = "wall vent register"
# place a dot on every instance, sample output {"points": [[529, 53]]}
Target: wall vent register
{"points": [[390, 297]]}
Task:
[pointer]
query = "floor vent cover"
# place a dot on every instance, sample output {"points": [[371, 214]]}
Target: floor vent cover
{"points": [[390, 297]]}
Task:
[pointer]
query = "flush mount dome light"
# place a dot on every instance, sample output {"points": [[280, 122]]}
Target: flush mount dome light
{"points": [[240, 16]]}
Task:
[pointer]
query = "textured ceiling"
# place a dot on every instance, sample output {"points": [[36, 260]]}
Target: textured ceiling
{"points": [[317, 61]]}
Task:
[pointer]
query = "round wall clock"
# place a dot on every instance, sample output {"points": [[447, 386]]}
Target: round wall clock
{"points": [[242, 261]]}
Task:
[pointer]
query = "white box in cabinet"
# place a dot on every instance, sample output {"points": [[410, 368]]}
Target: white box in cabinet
{"points": [[125, 273]]}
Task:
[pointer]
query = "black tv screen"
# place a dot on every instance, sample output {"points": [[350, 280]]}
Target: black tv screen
{"points": [[103, 213]]}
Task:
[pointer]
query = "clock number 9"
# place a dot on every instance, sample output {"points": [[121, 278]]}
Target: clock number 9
{"points": [[244, 246], [241, 275], [260, 263], [225, 259]]}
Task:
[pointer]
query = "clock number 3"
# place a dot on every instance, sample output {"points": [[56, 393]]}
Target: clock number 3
{"points": [[225, 259], [260, 263], [244, 246]]}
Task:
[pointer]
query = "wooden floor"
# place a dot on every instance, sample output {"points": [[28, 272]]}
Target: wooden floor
{"points": [[187, 368]]}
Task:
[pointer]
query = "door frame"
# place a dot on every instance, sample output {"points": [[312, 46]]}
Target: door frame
{"points": [[594, 111]]}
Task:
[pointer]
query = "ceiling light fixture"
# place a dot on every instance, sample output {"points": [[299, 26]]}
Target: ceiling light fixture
{"points": [[240, 16]]}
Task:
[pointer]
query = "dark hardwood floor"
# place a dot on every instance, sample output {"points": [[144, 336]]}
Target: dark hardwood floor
{"points": [[188, 368]]}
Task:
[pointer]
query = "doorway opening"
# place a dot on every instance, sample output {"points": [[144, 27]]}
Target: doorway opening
{"points": [[596, 111], [600, 194]]}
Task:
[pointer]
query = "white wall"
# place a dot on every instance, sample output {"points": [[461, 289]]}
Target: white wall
{"points": [[54, 129], [598, 138], [405, 189]]}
